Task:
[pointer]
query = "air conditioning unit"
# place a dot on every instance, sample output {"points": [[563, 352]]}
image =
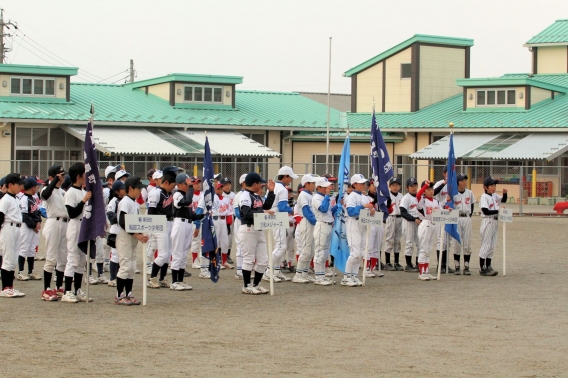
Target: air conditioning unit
{"points": [[6, 133]]}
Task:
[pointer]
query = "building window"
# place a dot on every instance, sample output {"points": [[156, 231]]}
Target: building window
{"points": [[210, 95], [496, 97], [405, 70], [32, 86]]}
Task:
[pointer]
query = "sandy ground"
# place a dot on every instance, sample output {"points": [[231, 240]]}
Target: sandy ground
{"points": [[396, 325]]}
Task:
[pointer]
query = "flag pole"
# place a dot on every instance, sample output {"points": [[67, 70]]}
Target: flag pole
{"points": [[144, 275], [447, 236], [88, 266]]}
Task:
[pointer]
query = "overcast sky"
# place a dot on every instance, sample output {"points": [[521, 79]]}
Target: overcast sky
{"points": [[276, 45]]}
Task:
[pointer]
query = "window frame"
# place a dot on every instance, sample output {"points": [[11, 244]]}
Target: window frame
{"points": [[33, 79], [402, 71], [496, 104], [203, 89]]}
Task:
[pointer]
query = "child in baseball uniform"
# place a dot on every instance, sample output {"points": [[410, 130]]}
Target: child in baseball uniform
{"points": [[29, 206], [427, 229], [306, 226], [220, 211], [286, 266], [196, 241], [489, 204], [409, 212], [236, 225], [297, 219], [252, 241], [463, 202], [375, 238], [54, 233], [112, 215], [324, 213], [227, 186], [11, 221], [441, 192], [393, 227], [356, 232], [126, 244], [152, 246]]}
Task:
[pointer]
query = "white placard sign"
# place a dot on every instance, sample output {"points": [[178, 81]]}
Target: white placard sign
{"points": [[445, 216], [145, 224], [265, 221], [506, 215], [366, 219]]}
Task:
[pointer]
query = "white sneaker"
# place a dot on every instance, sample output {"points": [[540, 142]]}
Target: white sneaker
{"points": [[102, 279], [149, 269], [8, 292], [185, 286], [261, 289], [348, 281], [205, 275], [92, 280], [369, 274], [153, 283], [250, 289], [266, 277], [18, 293], [169, 272], [69, 297], [299, 279], [177, 286], [35, 276], [423, 277], [112, 283], [278, 274], [379, 274], [329, 272], [82, 296], [433, 278], [22, 277], [357, 281], [164, 283], [227, 266], [322, 282], [330, 280], [309, 278], [239, 276], [196, 264]]}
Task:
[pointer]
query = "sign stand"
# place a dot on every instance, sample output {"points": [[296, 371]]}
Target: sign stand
{"points": [[365, 218], [270, 264], [265, 221], [505, 216], [443, 217]]}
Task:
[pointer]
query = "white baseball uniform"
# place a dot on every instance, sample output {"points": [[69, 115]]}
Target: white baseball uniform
{"points": [[322, 209], [306, 232], [489, 225], [410, 229], [236, 225], [279, 235], [393, 227], [220, 210], [10, 233], [126, 243], [426, 229], [463, 203], [356, 232], [76, 259], [55, 229]]}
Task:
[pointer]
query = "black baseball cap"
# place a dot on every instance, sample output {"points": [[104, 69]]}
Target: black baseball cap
{"points": [[253, 178], [30, 182], [225, 180], [150, 173], [171, 169], [134, 182], [431, 185], [490, 181], [118, 185], [181, 178], [55, 170], [13, 178], [395, 180], [2, 181], [411, 181], [461, 176], [446, 170]]}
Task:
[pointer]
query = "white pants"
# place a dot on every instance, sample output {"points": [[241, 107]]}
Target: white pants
{"points": [[410, 231], [298, 239], [464, 230], [222, 234], [126, 247], [55, 235], [356, 234], [9, 244], [375, 241], [35, 242], [151, 246], [114, 255], [27, 246], [290, 252], [488, 230], [196, 243], [76, 259], [322, 240], [236, 236], [393, 233], [230, 234], [279, 236], [426, 237], [164, 246], [307, 235], [253, 249], [100, 251], [181, 241]]}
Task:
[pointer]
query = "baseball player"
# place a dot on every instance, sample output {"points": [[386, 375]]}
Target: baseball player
{"points": [[409, 212], [463, 202], [11, 221], [297, 219], [196, 241], [441, 192], [356, 232], [75, 199], [220, 211], [112, 215], [306, 230], [126, 244], [29, 206], [286, 266], [252, 241], [122, 175], [285, 177], [196, 246], [54, 232], [375, 238], [426, 230], [236, 225], [152, 247], [489, 204], [324, 214], [393, 227], [227, 186]]}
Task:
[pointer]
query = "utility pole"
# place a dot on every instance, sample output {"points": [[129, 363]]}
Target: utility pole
{"points": [[132, 70], [3, 24]]}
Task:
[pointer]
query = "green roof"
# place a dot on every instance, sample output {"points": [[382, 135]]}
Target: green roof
{"points": [[547, 114], [513, 80], [120, 105], [38, 70], [452, 41], [556, 33], [187, 78]]}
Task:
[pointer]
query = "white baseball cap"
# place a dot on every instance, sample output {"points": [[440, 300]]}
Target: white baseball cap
{"points": [[111, 169], [287, 171], [121, 173], [157, 175], [217, 177], [242, 178], [307, 178], [358, 179], [323, 182]]}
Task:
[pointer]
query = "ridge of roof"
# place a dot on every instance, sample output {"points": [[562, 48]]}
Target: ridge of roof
{"points": [[184, 77], [555, 34]]}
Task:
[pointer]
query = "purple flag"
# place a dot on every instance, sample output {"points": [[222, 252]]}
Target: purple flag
{"points": [[208, 237], [94, 218]]}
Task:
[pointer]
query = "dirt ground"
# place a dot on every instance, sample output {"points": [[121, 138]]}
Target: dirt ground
{"points": [[396, 325]]}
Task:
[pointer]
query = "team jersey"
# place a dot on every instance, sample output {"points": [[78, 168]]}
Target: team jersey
{"points": [[112, 215], [410, 203], [235, 202], [10, 207], [29, 206], [251, 203], [321, 216], [197, 195], [54, 205], [353, 200], [428, 206], [280, 195], [221, 206], [463, 201], [441, 197], [146, 192], [490, 202], [231, 197], [182, 205], [304, 199], [72, 198], [162, 202], [128, 206], [395, 203]]}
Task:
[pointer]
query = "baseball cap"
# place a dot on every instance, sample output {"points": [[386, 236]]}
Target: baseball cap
{"points": [[55, 170], [287, 171], [225, 180], [219, 186], [446, 170], [431, 185], [133, 182], [13, 178], [323, 182], [171, 169], [330, 177], [150, 173], [109, 169], [490, 181], [357, 179], [121, 173], [39, 181], [195, 179], [253, 178], [411, 181], [66, 183], [30, 182], [308, 178], [395, 180], [157, 174], [217, 177], [181, 178], [461, 176], [118, 185], [242, 178], [2, 181]]}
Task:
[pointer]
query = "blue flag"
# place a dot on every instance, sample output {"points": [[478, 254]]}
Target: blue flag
{"points": [[339, 248], [382, 167], [94, 215], [452, 185], [208, 238]]}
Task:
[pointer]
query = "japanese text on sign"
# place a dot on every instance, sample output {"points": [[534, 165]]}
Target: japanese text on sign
{"points": [[445, 216], [143, 224], [264, 221], [506, 215], [366, 219]]}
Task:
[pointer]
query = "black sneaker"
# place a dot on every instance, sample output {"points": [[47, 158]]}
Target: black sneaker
{"points": [[389, 267], [284, 269], [292, 269], [484, 272], [491, 271], [187, 274], [457, 273], [450, 270], [466, 271], [410, 268], [398, 267], [230, 260]]}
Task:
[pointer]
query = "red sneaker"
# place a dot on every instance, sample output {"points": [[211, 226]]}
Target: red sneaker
{"points": [[49, 295], [133, 300], [60, 293]]}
